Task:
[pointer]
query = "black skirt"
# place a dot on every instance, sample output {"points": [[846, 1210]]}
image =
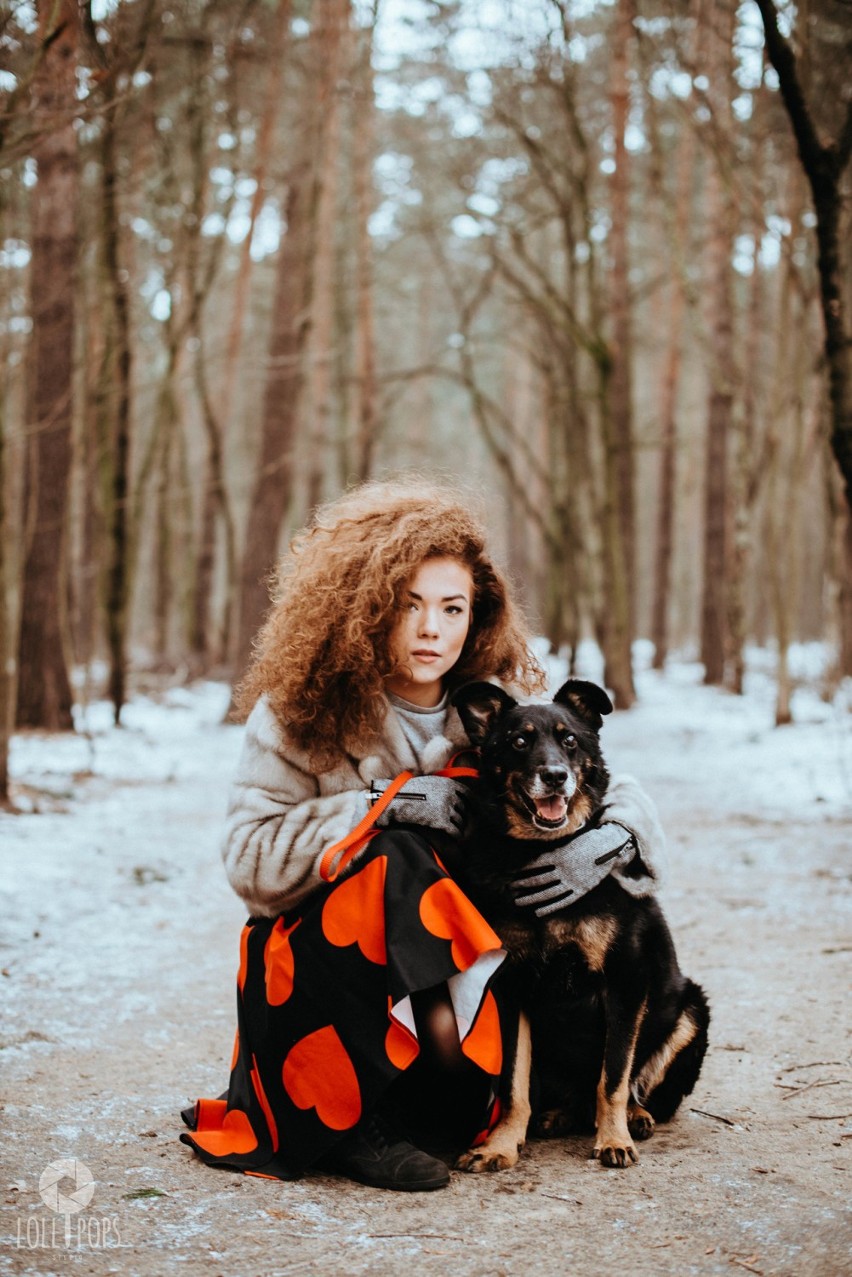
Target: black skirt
{"points": [[324, 1018]]}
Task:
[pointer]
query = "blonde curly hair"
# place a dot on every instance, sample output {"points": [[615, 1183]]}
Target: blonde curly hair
{"points": [[323, 652]]}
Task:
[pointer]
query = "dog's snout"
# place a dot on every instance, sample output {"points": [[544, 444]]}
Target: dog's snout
{"points": [[554, 776]]}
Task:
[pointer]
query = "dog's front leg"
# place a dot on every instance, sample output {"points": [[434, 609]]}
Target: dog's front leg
{"points": [[502, 1147], [624, 1016]]}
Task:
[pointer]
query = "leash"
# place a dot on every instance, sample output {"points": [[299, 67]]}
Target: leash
{"points": [[358, 838], [363, 831]]}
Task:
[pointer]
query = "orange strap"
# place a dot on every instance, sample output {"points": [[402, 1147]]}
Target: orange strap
{"points": [[452, 770], [354, 841], [364, 830]]}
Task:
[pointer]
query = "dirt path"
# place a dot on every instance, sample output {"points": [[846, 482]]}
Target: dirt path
{"points": [[118, 963]]}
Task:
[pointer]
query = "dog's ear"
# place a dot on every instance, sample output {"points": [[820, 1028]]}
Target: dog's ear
{"points": [[479, 706], [587, 700]]}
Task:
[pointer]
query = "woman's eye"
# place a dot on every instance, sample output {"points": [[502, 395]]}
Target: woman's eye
{"points": [[453, 610]]}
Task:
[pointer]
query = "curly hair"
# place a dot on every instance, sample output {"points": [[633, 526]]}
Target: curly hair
{"points": [[323, 652]]}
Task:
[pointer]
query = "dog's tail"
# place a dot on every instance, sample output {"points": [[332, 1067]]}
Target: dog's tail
{"points": [[672, 1072]]}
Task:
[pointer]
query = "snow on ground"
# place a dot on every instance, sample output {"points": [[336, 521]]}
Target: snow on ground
{"points": [[118, 953]]}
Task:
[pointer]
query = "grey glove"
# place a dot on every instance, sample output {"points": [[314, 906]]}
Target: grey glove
{"points": [[563, 874], [439, 802]]}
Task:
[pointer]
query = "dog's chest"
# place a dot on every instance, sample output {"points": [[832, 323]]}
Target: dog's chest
{"points": [[592, 937], [589, 938]]}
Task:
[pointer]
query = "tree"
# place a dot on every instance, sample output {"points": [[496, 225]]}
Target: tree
{"points": [[332, 18], [44, 690], [272, 490], [824, 163], [678, 229], [722, 371]]}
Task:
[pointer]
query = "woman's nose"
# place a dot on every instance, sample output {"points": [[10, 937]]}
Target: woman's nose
{"points": [[429, 621]]}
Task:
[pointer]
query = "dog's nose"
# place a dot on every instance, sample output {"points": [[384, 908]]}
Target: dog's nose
{"points": [[554, 776]]}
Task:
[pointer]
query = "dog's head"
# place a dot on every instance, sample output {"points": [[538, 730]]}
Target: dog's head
{"points": [[541, 768]]}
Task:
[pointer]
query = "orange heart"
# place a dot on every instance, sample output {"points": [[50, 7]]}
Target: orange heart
{"points": [[228, 1133], [241, 974], [446, 911], [484, 1044], [279, 963], [318, 1073], [354, 913]]}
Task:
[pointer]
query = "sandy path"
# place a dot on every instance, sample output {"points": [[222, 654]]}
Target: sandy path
{"points": [[118, 962]]}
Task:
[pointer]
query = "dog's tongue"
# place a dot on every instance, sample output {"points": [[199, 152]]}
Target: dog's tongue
{"points": [[553, 808]]}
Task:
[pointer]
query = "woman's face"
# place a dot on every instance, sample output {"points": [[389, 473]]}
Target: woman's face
{"points": [[427, 639]]}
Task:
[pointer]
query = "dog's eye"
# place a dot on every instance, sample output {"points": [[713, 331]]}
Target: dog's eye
{"points": [[569, 743], [519, 742]]}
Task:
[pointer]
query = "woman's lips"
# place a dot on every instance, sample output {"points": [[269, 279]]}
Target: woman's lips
{"points": [[426, 658]]}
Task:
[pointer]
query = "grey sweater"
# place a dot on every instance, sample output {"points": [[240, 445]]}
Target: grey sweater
{"points": [[283, 816]]}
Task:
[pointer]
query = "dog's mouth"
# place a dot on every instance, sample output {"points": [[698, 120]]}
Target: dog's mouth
{"points": [[549, 811]]}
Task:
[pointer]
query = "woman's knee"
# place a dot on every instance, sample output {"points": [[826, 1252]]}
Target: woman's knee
{"points": [[437, 1030]]}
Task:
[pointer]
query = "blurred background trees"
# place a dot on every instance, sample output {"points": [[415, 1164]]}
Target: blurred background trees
{"points": [[591, 255]]}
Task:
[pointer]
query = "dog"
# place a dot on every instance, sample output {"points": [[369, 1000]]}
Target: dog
{"points": [[618, 1033]]}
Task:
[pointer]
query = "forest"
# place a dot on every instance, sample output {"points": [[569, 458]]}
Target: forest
{"points": [[589, 258]]}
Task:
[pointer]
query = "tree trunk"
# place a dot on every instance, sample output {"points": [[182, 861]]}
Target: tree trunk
{"points": [[8, 663], [201, 272], [273, 488], [333, 17], [621, 380], [824, 164], [746, 483], [163, 590], [666, 496], [265, 137], [844, 601], [44, 691], [117, 591], [215, 503], [615, 618], [721, 401], [751, 442], [366, 416]]}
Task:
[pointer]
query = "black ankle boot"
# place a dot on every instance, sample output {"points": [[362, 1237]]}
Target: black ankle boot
{"points": [[377, 1155]]}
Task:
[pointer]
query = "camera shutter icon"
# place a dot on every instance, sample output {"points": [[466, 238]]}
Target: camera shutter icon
{"points": [[66, 1186]]}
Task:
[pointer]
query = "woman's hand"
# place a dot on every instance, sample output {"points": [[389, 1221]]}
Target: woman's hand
{"points": [[559, 876], [438, 802]]}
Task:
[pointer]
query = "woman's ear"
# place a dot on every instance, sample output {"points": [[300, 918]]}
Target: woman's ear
{"points": [[479, 706]]}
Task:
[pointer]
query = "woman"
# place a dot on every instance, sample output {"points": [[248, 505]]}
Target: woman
{"points": [[363, 966]]}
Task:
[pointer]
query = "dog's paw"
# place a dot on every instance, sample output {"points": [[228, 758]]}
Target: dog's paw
{"points": [[477, 1160], [617, 1154], [640, 1123], [554, 1122]]}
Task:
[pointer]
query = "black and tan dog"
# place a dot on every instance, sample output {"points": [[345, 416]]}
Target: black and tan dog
{"points": [[618, 1034]]}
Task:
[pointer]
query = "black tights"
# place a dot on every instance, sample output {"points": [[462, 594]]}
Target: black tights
{"points": [[437, 1033]]}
